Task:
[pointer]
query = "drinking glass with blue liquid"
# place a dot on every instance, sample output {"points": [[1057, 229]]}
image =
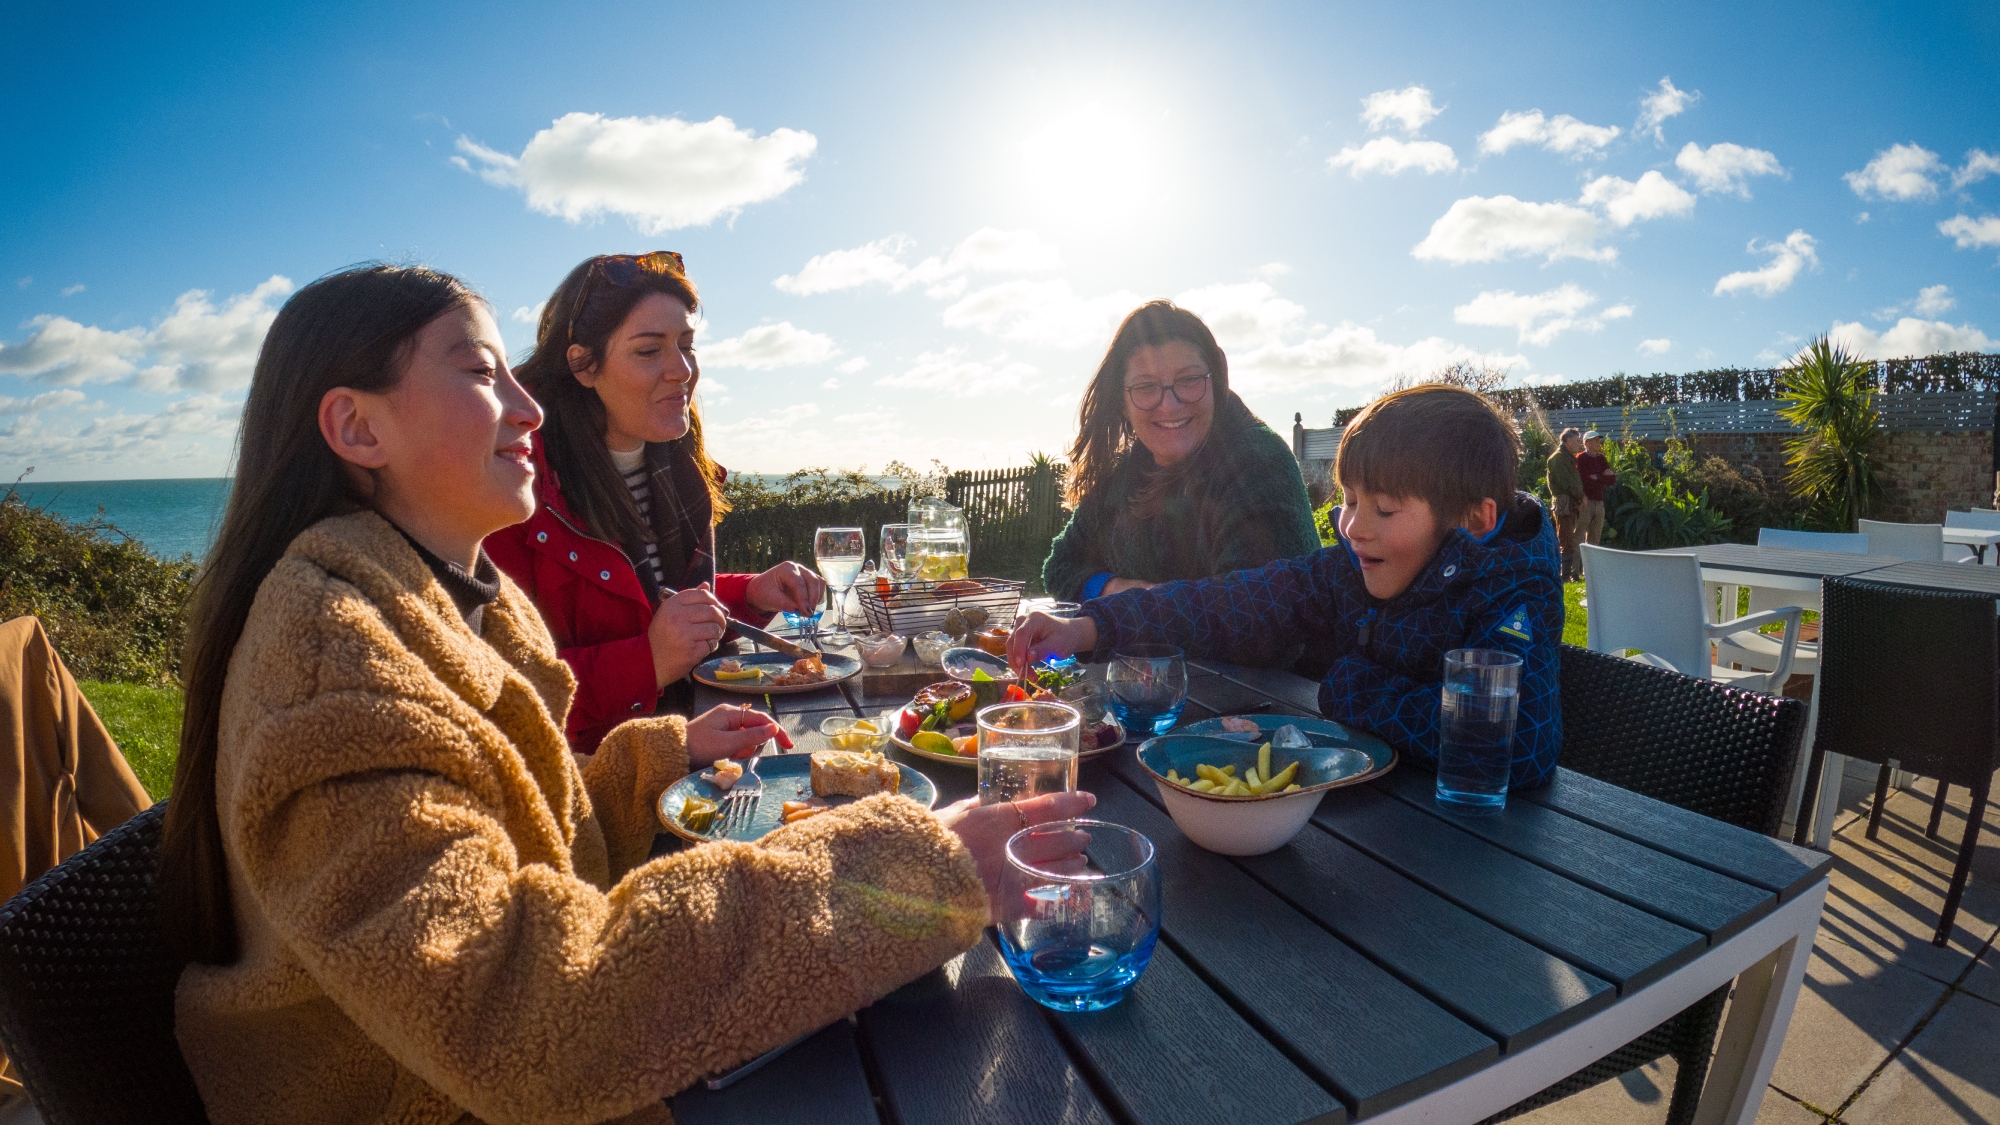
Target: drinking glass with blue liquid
{"points": [[1149, 686], [1077, 931], [1482, 698]]}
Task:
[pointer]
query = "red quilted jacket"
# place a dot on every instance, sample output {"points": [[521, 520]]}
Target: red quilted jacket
{"points": [[595, 607]]}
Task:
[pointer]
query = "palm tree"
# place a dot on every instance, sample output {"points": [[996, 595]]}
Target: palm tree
{"points": [[1829, 394]]}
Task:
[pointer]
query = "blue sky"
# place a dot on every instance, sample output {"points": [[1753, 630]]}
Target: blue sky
{"points": [[914, 227]]}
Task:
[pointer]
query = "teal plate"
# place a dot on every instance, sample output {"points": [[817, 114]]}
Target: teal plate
{"points": [[787, 777], [838, 668], [1324, 733]]}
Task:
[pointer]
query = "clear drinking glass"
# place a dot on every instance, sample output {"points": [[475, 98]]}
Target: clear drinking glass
{"points": [[1149, 686], [1476, 729], [1026, 750], [1077, 931], [839, 553], [896, 552]]}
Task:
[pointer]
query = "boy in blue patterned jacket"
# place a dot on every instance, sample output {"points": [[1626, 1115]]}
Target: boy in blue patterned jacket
{"points": [[1438, 551]]}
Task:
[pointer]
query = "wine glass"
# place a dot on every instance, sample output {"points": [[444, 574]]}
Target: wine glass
{"points": [[839, 553]]}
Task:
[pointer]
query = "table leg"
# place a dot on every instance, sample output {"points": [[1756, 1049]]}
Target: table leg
{"points": [[1805, 756], [1831, 777], [1754, 1033]]}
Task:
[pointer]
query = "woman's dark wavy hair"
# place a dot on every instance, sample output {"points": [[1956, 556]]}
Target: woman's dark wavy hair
{"points": [[349, 329], [573, 435], [1104, 436]]}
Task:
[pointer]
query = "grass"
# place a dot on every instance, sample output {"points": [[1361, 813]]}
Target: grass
{"points": [[145, 722], [1575, 616]]}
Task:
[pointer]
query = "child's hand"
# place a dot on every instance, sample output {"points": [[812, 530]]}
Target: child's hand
{"points": [[728, 732], [1043, 636]]}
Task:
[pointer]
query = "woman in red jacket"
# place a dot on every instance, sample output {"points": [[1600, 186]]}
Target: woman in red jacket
{"points": [[620, 553]]}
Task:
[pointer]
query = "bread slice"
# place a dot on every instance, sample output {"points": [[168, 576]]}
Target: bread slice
{"points": [[848, 773]]}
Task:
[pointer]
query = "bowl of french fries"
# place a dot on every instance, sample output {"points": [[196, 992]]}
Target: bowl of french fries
{"points": [[1241, 798]]}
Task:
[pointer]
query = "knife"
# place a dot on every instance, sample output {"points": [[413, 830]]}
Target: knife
{"points": [[753, 633]]}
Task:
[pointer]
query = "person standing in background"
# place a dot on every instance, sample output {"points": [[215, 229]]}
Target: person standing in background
{"points": [[1595, 469], [1567, 498]]}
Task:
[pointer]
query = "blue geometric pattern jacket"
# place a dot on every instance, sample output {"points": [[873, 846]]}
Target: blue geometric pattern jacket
{"points": [[1389, 655]]}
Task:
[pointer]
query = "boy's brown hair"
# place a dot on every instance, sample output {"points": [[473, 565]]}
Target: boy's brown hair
{"points": [[1449, 447]]}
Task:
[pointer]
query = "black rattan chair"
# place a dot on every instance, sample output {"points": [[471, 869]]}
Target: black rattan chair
{"points": [[1907, 675], [87, 987], [1708, 748]]}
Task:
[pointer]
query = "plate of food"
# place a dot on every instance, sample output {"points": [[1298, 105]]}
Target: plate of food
{"points": [[796, 787], [937, 723], [1370, 756], [774, 673]]}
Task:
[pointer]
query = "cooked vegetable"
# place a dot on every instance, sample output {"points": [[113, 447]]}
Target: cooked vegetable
{"points": [[1257, 781], [697, 814]]}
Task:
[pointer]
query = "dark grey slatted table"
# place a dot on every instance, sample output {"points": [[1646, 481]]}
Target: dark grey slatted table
{"points": [[1392, 964]]}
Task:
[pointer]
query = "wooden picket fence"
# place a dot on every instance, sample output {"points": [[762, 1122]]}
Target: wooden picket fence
{"points": [[1013, 515]]}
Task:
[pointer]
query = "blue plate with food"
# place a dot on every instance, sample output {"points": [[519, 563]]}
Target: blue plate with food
{"points": [[796, 787], [774, 673]]}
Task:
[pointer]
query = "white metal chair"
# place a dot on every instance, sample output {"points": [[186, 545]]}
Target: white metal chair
{"points": [[1760, 650], [1653, 602], [1918, 542], [1979, 519]]}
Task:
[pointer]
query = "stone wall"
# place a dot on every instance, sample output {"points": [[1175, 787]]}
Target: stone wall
{"points": [[1923, 475]]}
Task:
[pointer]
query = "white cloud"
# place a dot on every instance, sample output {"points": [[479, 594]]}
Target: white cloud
{"points": [[1351, 356], [830, 385], [1978, 165], [1389, 156], [951, 370], [1660, 346], [1272, 269], [1912, 337], [661, 173], [531, 314], [1788, 258], [1665, 102], [40, 402], [768, 346], [1481, 229], [1626, 202], [1537, 318], [72, 290], [197, 346], [1968, 233], [1248, 315], [983, 251], [1934, 299], [1409, 107], [853, 365], [1559, 134], [1722, 169], [1048, 313], [1900, 172], [24, 282]]}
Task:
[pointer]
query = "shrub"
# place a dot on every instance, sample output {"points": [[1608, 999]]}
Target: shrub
{"points": [[1829, 394], [1653, 504], [114, 610]]}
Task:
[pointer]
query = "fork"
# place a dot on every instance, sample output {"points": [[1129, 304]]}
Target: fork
{"points": [[740, 803]]}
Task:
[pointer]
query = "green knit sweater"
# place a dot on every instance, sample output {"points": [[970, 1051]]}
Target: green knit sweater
{"points": [[1245, 508]]}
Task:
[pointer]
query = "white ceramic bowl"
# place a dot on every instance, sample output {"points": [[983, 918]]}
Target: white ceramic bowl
{"points": [[1242, 825]]}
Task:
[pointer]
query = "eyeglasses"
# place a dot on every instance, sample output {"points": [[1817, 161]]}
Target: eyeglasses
{"points": [[1188, 390], [622, 270]]}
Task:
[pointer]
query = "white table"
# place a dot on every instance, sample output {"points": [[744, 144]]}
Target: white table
{"points": [[1976, 538]]}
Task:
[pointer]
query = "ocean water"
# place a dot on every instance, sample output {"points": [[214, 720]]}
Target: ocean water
{"points": [[171, 517]]}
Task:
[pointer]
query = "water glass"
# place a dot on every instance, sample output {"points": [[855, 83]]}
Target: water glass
{"points": [[896, 552], [1026, 750], [1476, 729], [1149, 686], [1077, 931]]}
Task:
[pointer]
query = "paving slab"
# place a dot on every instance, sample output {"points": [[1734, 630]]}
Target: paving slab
{"points": [[1949, 1073], [1902, 832], [1984, 979], [1853, 1010], [1642, 1097], [1885, 900]]}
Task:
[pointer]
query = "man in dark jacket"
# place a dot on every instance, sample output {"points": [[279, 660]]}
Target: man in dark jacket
{"points": [[1567, 497]]}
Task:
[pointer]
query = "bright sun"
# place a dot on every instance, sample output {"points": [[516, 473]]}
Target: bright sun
{"points": [[1096, 161]]}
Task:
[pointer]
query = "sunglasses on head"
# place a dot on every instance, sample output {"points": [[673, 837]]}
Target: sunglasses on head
{"points": [[622, 270]]}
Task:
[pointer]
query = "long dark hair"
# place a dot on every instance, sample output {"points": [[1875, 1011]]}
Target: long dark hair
{"points": [[1103, 435], [573, 435], [348, 329]]}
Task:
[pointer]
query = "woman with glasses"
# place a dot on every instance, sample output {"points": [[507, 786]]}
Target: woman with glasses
{"points": [[620, 553], [1171, 476]]}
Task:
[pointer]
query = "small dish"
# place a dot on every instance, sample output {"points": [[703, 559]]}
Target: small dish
{"points": [[840, 730], [961, 663], [881, 649], [931, 646]]}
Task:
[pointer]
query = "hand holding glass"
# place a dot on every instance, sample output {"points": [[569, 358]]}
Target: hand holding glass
{"points": [[1026, 750]]}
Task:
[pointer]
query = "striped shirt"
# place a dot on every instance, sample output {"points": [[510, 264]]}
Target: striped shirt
{"points": [[631, 464]]}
